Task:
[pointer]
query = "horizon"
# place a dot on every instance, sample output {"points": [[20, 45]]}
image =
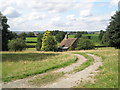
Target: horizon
{"points": [[51, 15]]}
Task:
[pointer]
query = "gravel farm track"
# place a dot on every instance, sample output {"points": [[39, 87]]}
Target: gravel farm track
{"points": [[69, 80]]}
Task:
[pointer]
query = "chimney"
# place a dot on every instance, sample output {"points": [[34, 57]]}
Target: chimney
{"points": [[66, 36]]}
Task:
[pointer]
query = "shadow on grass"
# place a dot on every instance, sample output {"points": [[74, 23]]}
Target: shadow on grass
{"points": [[26, 57]]}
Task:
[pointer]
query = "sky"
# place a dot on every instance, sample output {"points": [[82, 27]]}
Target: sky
{"points": [[65, 15]]}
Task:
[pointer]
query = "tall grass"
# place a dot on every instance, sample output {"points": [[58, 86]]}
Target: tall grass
{"points": [[21, 65]]}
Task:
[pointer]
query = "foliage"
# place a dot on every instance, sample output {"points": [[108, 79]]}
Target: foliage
{"points": [[113, 31], [55, 32], [78, 35], [101, 34], [5, 32], [84, 44], [39, 42], [48, 42], [31, 34], [23, 35], [60, 36], [13, 35], [17, 45]]}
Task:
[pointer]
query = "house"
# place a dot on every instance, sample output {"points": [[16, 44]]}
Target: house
{"points": [[68, 43]]}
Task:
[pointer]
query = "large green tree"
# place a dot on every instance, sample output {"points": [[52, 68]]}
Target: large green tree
{"points": [[60, 36], [113, 31], [5, 32], [48, 42]]}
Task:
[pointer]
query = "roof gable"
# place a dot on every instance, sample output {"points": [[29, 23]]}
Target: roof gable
{"points": [[68, 42]]}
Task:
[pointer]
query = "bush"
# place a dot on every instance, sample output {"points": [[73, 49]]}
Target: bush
{"points": [[17, 45], [84, 44]]}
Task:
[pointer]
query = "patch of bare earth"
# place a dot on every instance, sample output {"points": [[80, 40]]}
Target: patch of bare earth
{"points": [[70, 80]]}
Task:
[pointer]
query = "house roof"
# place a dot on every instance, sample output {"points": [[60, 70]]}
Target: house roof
{"points": [[67, 42]]}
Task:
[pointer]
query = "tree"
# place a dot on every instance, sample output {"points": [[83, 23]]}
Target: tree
{"points": [[23, 35], [13, 35], [101, 34], [31, 34], [113, 31], [48, 42], [5, 32], [17, 44], [78, 35], [84, 44], [39, 42], [60, 36]]}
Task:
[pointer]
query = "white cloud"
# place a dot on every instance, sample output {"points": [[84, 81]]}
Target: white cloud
{"points": [[85, 13], [52, 14], [71, 17], [11, 12], [114, 3]]}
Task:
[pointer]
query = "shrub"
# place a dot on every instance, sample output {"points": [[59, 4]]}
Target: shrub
{"points": [[84, 44], [17, 45]]}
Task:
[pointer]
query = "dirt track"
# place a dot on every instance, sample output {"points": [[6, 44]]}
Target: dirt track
{"points": [[68, 81]]}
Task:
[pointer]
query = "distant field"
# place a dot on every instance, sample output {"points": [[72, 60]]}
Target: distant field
{"points": [[31, 39], [18, 65], [71, 36], [33, 44]]}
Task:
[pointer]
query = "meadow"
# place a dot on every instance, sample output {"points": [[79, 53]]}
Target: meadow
{"points": [[108, 75], [23, 64]]}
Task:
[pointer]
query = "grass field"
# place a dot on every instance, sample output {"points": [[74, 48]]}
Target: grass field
{"points": [[22, 64], [33, 44], [108, 75], [31, 38], [71, 36], [89, 62]]}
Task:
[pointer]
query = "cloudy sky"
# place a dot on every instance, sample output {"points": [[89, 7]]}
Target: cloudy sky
{"points": [[77, 15]]}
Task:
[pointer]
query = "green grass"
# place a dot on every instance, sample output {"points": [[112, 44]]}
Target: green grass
{"points": [[71, 36], [21, 65], [46, 79], [108, 75], [31, 39], [33, 44], [89, 62]]}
